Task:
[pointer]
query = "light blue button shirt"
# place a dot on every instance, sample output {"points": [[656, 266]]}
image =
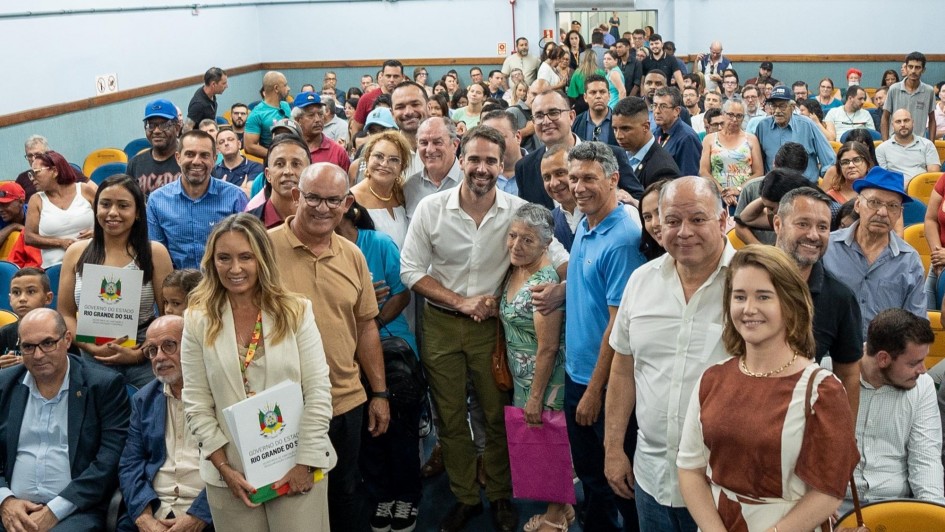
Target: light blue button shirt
{"points": [[43, 469], [507, 184]]}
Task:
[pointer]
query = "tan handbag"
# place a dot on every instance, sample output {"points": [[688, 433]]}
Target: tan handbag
{"points": [[500, 362]]}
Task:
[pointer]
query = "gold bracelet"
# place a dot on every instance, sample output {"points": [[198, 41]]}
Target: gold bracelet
{"points": [[223, 463]]}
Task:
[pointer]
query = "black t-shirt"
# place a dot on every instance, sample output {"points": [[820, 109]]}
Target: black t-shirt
{"points": [[151, 174], [837, 318], [667, 64], [201, 107]]}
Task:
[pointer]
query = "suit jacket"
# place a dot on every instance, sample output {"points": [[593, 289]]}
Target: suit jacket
{"points": [[145, 453], [656, 164], [213, 381], [97, 426], [532, 189]]}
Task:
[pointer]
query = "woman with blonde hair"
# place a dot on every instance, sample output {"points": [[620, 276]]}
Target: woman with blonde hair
{"points": [[791, 470], [382, 190], [516, 94], [244, 333], [586, 68]]}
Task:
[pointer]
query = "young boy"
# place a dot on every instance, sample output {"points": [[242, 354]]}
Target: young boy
{"points": [[29, 289]]}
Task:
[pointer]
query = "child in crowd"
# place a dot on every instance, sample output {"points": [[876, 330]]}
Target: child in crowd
{"points": [[177, 286], [29, 289]]}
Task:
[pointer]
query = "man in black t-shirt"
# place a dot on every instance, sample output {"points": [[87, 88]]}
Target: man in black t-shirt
{"points": [[157, 167], [658, 60], [204, 103]]}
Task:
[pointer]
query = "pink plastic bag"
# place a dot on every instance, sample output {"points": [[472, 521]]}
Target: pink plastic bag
{"points": [[540, 457]]}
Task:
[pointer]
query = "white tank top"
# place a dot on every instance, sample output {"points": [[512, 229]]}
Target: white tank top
{"points": [[58, 223]]}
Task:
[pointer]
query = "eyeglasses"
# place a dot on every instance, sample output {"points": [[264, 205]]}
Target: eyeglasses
{"points": [[552, 114], [33, 173], [850, 162], [735, 116], [380, 158], [163, 126], [717, 124], [46, 346], [168, 347], [314, 201], [891, 208], [30, 157], [664, 106], [780, 105]]}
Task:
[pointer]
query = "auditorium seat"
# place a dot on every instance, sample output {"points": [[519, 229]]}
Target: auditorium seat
{"points": [[7, 269], [102, 156], [899, 515], [107, 170], [135, 147], [737, 243], [913, 212], [914, 235], [920, 187]]}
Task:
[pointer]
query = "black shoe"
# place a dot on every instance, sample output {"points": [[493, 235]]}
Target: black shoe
{"points": [[504, 515], [380, 521], [405, 517], [459, 515]]}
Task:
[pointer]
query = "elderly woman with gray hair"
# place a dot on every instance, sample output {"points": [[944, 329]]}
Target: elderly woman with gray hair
{"points": [[731, 156], [534, 341]]}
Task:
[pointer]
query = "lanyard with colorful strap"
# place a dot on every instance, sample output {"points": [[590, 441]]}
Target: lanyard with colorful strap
{"points": [[251, 351]]}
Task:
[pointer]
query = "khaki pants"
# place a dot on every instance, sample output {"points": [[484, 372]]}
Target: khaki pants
{"points": [[302, 513]]}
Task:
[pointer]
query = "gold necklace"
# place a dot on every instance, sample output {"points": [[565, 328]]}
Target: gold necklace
{"points": [[746, 371], [378, 196]]}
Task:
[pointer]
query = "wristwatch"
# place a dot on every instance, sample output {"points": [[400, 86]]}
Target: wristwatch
{"points": [[383, 394]]}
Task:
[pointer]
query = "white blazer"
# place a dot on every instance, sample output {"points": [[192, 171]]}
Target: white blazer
{"points": [[213, 381]]}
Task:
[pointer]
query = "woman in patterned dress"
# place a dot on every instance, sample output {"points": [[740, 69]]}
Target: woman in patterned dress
{"points": [[768, 441], [731, 156], [534, 342]]}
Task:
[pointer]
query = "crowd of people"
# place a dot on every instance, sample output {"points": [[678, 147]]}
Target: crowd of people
{"points": [[571, 211]]}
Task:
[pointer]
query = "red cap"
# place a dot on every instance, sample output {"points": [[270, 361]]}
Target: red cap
{"points": [[10, 191]]}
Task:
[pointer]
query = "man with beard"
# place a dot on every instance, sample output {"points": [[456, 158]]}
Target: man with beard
{"points": [[898, 428], [238, 114], [182, 214], [632, 69], [870, 258], [850, 115], [309, 113], [287, 158], [157, 167], [520, 59], [905, 152], [595, 123], [159, 471], [784, 126], [409, 108], [802, 224], [270, 110], [459, 327]]}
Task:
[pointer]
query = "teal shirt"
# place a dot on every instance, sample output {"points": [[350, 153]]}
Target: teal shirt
{"points": [[263, 117]]}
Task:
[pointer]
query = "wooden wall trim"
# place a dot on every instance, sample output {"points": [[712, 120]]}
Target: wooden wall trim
{"points": [[98, 101]]}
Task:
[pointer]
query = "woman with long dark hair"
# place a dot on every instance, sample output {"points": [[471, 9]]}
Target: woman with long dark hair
{"points": [[119, 239]]}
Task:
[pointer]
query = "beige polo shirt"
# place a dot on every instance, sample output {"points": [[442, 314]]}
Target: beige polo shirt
{"points": [[338, 282]]}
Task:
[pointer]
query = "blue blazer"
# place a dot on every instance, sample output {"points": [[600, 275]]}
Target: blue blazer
{"points": [[145, 454], [98, 423]]}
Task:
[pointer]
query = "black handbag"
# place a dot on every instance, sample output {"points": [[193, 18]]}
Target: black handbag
{"points": [[405, 379]]}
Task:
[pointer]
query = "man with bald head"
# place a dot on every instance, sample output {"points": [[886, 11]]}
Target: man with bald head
{"points": [[667, 332], [63, 429], [257, 136], [905, 152], [159, 470], [341, 287], [712, 66]]}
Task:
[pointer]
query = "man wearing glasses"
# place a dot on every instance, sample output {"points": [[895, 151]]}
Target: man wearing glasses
{"points": [[870, 258], [157, 167], [331, 271], [674, 135], [159, 470], [64, 424], [35, 145], [784, 126]]}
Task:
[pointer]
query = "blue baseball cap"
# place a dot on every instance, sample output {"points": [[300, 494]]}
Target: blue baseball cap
{"points": [[781, 93], [382, 117], [161, 109], [304, 99], [883, 179]]}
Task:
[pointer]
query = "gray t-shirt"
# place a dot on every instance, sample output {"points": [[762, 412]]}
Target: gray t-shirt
{"points": [[919, 103], [751, 191]]}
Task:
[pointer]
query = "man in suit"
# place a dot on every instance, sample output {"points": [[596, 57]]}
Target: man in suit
{"points": [[62, 433], [553, 118], [159, 470], [649, 161]]}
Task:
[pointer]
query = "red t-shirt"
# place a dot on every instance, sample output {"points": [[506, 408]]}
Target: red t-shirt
{"points": [[365, 104]]}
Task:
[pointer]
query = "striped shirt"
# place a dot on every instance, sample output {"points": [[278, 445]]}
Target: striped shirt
{"points": [[183, 224]]}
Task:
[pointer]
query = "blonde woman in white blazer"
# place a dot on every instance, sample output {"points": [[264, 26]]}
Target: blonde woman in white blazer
{"points": [[239, 289]]}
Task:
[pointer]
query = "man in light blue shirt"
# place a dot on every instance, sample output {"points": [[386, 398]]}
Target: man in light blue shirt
{"points": [[785, 126], [63, 430], [505, 124], [182, 214]]}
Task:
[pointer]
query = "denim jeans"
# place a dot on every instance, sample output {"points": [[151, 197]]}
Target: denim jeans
{"points": [[654, 517], [601, 504]]}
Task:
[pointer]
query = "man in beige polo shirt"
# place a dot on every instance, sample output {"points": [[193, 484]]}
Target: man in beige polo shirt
{"points": [[332, 272]]}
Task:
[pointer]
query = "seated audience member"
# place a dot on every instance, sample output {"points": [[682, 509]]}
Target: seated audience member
{"points": [[908, 154], [29, 290], [181, 215], [898, 427], [648, 160], [258, 135], [234, 168], [309, 113], [209, 125], [825, 95], [35, 145], [157, 166], [711, 100], [285, 160], [335, 128], [12, 210], [811, 109], [784, 126], [159, 471], [674, 135], [177, 287], [876, 113], [854, 160], [60, 470], [848, 116], [801, 92], [713, 120], [870, 258], [758, 214], [60, 212], [596, 122], [792, 156], [238, 114]]}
